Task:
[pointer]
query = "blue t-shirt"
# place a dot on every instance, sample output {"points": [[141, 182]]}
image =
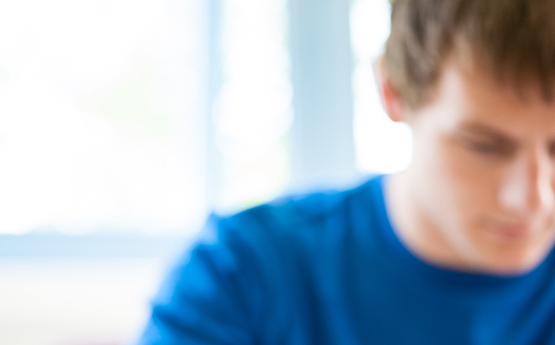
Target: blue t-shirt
{"points": [[328, 269]]}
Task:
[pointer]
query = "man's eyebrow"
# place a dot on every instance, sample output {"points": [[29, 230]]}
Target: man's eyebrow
{"points": [[484, 130]]}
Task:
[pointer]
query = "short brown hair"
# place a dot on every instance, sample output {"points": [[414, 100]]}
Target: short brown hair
{"points": [[514, 40]]}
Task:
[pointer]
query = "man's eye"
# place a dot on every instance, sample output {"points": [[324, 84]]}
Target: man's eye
{"points": [[552, 150], [489, 149]]}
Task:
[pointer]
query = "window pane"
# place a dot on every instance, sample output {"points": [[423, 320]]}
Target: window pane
{"points": [[101, 118], [252, 111], [382, 145]]}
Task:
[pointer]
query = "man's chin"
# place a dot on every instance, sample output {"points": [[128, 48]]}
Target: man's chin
{"points": [[513, 265]]}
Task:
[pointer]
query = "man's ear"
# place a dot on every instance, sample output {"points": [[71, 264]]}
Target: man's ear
{"points": [[389, 96]]}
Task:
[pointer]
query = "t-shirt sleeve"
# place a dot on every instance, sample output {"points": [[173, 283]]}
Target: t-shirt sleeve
{"points": [[212, 296]]}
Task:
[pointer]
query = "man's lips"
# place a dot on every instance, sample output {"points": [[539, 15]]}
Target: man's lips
{"points": [[511, 231]]}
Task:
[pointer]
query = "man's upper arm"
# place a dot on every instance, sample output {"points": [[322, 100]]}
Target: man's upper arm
{"points": [[212, 296]]}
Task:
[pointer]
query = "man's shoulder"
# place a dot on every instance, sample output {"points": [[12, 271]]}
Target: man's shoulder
{"points": [[293, 226], [311, 206], [296, 212]]}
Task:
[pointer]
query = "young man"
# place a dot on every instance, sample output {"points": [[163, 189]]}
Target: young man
{"points": [[457, 249]]}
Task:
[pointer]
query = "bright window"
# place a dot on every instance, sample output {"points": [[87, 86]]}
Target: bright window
{"points": [[382, 145], [252, 109], [102, 116]]}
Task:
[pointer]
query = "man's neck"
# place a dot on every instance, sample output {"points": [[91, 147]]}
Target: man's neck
{"points": [[414, 228]]}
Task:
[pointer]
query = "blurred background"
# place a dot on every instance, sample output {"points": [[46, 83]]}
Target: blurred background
{"points": [[124, 123]]}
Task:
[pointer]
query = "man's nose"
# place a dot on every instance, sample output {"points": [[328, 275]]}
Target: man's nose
{"points": [[528, 188]]}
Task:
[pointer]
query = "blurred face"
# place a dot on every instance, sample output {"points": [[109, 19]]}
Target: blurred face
{"points": [[480, 191]]}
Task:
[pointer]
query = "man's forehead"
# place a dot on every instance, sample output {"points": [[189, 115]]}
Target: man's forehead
{"points": [[523, 79], [472, 101], [472, 77]]}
